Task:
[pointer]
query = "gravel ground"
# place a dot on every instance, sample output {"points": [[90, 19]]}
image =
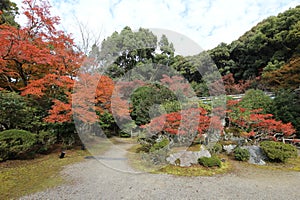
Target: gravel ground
{"points": [[94, 180]]}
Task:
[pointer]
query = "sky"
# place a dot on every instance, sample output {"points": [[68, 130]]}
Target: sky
{"points": [[206, 22]]}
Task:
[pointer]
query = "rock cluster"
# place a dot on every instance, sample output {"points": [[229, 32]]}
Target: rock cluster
{"points": [[187, 158]]}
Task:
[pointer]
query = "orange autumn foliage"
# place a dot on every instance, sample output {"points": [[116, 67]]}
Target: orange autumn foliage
{"points": [[37, 53]]}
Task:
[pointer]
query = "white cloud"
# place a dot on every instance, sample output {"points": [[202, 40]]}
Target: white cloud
{"points": [[207, 22]]}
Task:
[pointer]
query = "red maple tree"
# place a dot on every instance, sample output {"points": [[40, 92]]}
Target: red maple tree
{"points": [[186, 124], [259, 126], [36, 52], [39, 60]]}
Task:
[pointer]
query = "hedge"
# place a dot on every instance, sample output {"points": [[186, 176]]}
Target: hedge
{"points": [[14, 143], [278, 151]]}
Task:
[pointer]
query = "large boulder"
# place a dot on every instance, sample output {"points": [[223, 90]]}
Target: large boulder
{"points": [[257, 156], [229, 148], [187, 158]]}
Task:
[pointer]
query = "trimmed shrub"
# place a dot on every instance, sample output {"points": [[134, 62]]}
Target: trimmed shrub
{"points": [[278, 151], [241, 154], [159, 145], [216, 148], [210, 162], [45, 140], [14, 143]]}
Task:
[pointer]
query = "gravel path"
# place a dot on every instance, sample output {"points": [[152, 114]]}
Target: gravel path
{"points": [[93, 180]]}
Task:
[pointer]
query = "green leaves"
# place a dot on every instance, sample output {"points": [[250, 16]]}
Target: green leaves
{"points": [[123, 51], [14, 142], [278, 152], [256, 99], [146, 97], [286, 107], [16, 112], [9, 11]]}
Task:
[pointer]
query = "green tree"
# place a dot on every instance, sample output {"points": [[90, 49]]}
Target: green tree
{"points": [[8, 12], [144, 98], [256, 99], [221, 57], [166, 57], [16, 112], [269, 44], [122, 51], [286, 107]]}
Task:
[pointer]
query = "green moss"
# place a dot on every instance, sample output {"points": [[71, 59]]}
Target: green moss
{"points": [[213, 161], [196, 170], [23, 177]]}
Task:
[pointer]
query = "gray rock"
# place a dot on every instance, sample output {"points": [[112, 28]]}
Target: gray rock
{"points": [[239, 141], [257, 156], [171, 159], [229, 148], [187, 158], [202, 153]]}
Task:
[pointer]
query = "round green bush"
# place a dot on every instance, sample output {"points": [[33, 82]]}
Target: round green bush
{"points": [[216, 148], [14, 143], [241, 154], [45, 140], [159, 145], [278, 151], [210, 162]]}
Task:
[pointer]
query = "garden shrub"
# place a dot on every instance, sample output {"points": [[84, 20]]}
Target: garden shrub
{"points": [[278, 151], [216, 148], [159, 145], [210, 162], [14, 143], [234, 131], [45, 140], [241, 154]]}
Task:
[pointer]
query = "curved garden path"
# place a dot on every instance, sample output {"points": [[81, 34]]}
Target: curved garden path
{"points": [[93, 180]]}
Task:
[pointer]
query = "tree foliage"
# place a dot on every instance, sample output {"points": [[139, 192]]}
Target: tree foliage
{"points": [[256, 99], [122, 51], [285, 77], [15, 143], [257, 125], [183, 126], [144, 98], [8, 12], [278, 152], [39, 62], [286, 107], [37, 52], [16, 112]]}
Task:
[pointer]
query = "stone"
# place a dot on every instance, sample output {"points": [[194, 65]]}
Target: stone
{"points": [[239, 141], [229, 148], [257, 156], [202, 153], [187, 158], [171, 159]]}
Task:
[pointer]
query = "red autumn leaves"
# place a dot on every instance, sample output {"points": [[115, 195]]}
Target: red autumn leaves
{"points": [[257, 124], [41, 61]]}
